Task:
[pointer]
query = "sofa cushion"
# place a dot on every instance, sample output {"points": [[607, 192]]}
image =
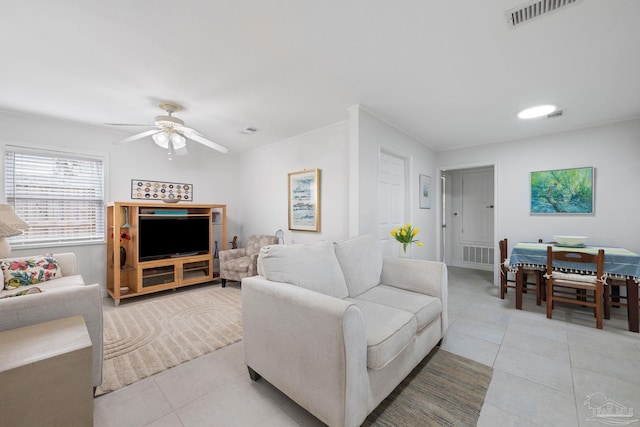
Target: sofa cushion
{"points": [[241, 264], [389, 331], [29, 271], [311, 266], [62, 282], [361, 263], [424, 307]]}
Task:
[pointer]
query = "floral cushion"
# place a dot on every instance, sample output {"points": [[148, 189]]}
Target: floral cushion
{"points": [[29, 271], [34, 290]]}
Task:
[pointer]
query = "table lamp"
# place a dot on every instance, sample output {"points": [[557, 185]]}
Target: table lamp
{"points": [[10, 225]]}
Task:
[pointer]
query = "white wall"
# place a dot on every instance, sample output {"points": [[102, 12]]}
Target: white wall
{"points": [[369, 135], [614, 151], [213, 175], [264, 181]]}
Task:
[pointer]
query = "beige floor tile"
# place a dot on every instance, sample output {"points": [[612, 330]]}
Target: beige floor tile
{"points": [[602, 388], [532, 343], [170, 420], [486, 331], [535, 368], [136, 405], [531, 401], [233, 405], [492, 416], [473, 348]]}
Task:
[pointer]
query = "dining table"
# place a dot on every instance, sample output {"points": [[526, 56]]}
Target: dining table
{"points": [[619, 263]]}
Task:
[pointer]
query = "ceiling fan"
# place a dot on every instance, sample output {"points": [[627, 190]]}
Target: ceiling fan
{"points": [[170, 133]]}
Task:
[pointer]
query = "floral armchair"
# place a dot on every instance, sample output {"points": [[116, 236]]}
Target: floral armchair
{"points": [[236, 264]]}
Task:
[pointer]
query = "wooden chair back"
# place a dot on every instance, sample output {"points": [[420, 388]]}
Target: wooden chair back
{"points": [[592, 282]]}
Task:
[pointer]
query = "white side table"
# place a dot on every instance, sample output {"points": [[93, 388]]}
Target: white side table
{"points": [[45, 374]]}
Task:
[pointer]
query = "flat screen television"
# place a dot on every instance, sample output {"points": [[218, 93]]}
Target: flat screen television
{"points": [[166, 237]]}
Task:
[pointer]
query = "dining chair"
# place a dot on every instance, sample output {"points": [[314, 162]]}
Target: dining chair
{"points": [[506, 282], [584, 289]]}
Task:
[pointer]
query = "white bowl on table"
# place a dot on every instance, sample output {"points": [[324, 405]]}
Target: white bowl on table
{"points": [[571, 241]]}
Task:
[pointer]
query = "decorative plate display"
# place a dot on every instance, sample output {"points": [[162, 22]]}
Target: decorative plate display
{"points": [[158, 190]]}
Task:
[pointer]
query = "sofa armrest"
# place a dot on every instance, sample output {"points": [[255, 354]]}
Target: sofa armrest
{"points": [[426, 277], [229, 254], [311, 346], [53, 304]]}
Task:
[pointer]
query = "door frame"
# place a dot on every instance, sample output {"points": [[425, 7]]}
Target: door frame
{"points": [[440, 234]]}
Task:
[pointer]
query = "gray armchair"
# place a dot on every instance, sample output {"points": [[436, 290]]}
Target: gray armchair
{"points": [[236, 264]]}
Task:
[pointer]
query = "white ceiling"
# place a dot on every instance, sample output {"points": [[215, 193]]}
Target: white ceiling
{"points": [[451, 73]]}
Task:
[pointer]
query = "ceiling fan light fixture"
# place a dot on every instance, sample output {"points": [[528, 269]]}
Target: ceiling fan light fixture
{"points": [[537, 111], [178, 140], [162, 139]]}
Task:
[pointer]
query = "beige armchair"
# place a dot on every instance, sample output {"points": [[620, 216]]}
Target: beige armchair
{"points": [[236, 264]]}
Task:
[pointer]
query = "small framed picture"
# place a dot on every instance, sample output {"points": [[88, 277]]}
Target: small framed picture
{"points": [[425, 192], [304, 200]]}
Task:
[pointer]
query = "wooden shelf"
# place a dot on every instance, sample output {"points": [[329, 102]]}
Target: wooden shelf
{"points": [[144, 277]]}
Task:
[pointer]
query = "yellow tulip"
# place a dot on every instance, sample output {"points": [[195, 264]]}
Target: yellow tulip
{"points": [[403, 232], [408, 225], [420, 244], [414, 232], [394, 232]]}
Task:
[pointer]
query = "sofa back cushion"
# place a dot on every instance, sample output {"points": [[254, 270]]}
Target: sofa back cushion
{"points": [[361, 263], [311, 266]]}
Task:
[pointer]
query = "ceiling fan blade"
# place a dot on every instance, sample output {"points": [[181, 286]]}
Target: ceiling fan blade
{"points": [[138, 136], [130, 124], [188, 131], [197, 136]]}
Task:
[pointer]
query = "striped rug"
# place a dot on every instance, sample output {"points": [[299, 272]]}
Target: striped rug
{"points": [[443, 390], [144, 338]]}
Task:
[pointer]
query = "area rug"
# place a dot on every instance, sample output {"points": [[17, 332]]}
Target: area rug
{"points": [[144, 338], [443, 390]]}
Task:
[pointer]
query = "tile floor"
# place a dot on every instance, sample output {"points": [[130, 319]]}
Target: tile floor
{"points": [[543, 370]]}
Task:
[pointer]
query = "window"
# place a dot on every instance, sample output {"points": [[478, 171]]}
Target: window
{"points": [[60, 196]]}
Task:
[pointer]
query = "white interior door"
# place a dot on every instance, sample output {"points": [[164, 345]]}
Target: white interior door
{"points": [[469, 214], [477, 207], [391, 197]]}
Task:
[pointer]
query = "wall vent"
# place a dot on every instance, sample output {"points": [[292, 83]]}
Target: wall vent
{"points": [[535, 9], [477, 255]]}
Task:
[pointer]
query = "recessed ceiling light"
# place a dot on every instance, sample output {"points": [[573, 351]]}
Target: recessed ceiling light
{"points": [[537, 111]]}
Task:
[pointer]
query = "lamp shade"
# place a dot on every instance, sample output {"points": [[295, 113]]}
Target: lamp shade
{"points": [[10, 222]]}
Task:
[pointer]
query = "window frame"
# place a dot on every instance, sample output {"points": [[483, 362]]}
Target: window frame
{"points": [[62, 153]]}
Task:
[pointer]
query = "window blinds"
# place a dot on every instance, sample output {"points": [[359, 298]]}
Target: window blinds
{"points": [[59, 196]]}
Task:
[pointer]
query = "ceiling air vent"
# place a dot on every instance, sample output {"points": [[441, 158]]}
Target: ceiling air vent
{"points": [[557, 113], [248, 131], [535, 9]]}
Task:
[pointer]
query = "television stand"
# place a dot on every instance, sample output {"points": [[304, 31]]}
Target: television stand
{"points": [[128, 276]]}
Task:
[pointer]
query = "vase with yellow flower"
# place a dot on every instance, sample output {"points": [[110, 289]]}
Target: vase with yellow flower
{"points": [[406, 235]]}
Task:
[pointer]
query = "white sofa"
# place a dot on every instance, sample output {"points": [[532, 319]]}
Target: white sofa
{"points": [[336, 328], [61, 297]]}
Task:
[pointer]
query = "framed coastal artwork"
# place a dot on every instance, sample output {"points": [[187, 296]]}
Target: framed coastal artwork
{"points": [[425, 192], [304, 200], [563, 191]]}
